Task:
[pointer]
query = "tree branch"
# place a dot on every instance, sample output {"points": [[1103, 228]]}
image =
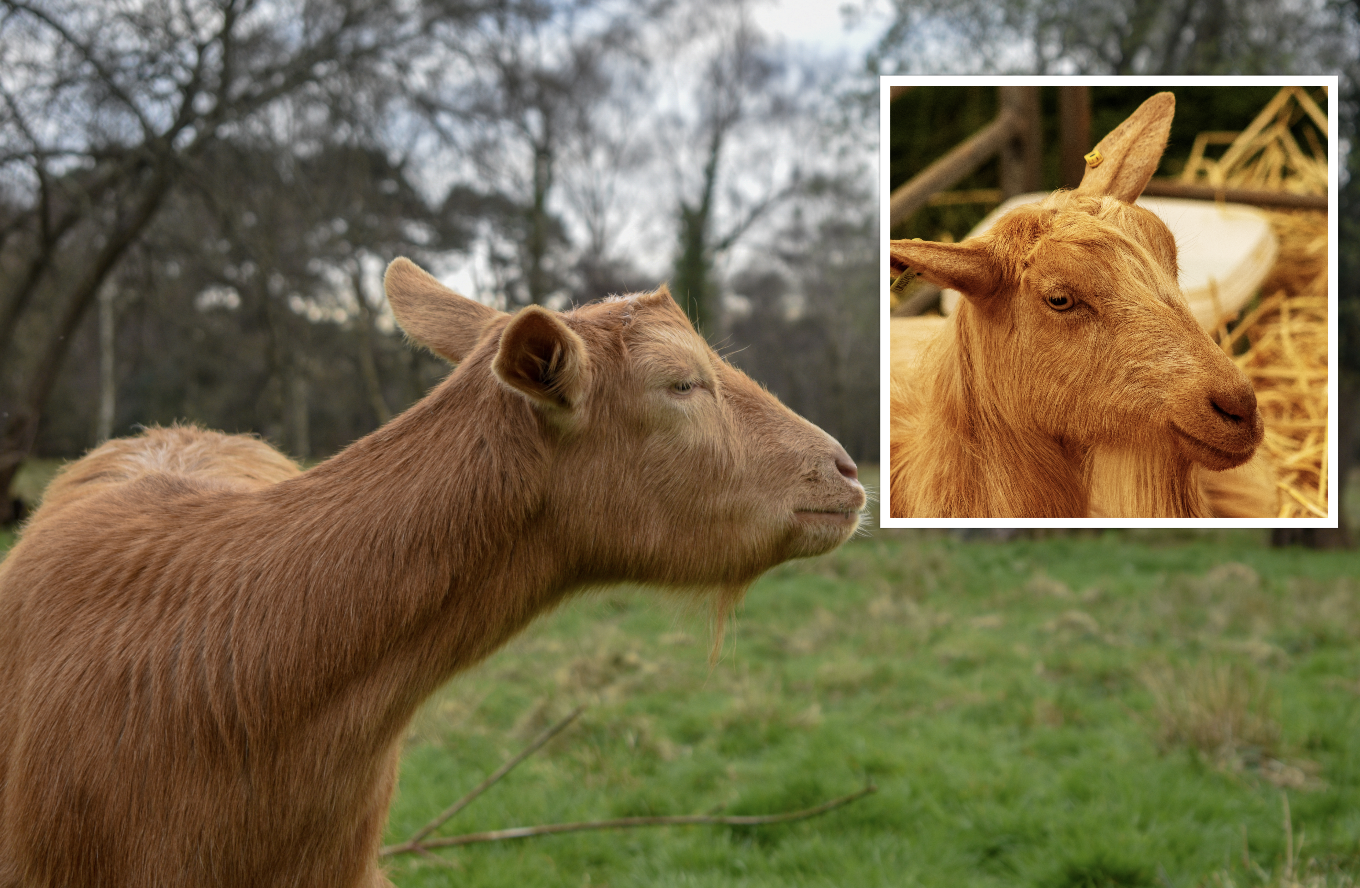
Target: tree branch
{"points": [[88, 54], [447, 813], [419, 843], [547, 829]]}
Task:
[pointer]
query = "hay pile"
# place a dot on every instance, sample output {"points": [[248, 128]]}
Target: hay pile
{"points": [[1266, 156], [1285, 334]]}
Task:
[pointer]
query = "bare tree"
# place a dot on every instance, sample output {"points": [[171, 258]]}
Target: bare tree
{"points": [[1116, 36], [103, 110], [530, 92], [738, 90]]}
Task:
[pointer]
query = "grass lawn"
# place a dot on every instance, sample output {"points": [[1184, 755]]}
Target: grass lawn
{"points": [[1117, 709], [1125, 709]]}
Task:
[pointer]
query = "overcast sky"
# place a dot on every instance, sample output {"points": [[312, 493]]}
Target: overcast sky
{"points": [[819, 25]]}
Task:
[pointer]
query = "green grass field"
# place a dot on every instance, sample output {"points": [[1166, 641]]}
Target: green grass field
{"points": [[1128, 709], [1077, 711]]}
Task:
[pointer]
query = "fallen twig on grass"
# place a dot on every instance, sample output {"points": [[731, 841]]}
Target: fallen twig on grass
{"points": [[547, 829], [414, 842], [420, 843]]}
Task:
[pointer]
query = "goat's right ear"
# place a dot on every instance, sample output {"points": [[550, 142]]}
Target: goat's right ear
{"points": [[1124, 161], [968, 267], [433, 315], [543, 359]]}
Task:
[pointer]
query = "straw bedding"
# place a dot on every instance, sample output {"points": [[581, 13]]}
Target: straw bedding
{"points": [[1281, 341]]}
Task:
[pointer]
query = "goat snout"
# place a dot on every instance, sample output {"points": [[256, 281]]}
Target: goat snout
{"points": [[1226, 429], [834, 485], [1235, 406], [845, 465]]}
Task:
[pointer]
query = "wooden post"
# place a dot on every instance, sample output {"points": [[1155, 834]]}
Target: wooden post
{"points": [[1022, 156], [1074, 112]]}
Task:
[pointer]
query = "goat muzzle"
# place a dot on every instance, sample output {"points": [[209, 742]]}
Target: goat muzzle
{"points": [[1227, 430]]}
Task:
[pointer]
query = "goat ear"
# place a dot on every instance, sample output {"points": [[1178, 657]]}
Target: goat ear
{"points": [[542, 358], [660, 296], [1124, 161], [968, 267], [433, 315]]}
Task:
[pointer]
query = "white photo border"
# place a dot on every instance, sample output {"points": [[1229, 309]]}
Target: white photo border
{"points": [[1331, 82]]}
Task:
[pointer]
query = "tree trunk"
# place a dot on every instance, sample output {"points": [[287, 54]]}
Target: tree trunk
{"points": [[368, 365], [693, 272], [299, 427], [537, 246], [21, 415], [107, 389]]}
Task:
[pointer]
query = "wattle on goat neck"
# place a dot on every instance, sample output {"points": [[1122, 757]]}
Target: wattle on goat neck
{"points": [[217, 654], [1072, 377]]}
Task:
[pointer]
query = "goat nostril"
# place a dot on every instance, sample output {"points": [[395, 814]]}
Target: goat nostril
{"points": [[847, 468], [1224, 413], [1234, 406]]}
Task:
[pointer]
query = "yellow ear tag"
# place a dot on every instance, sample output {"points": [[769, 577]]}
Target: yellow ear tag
{"points": [[1093, 159]]}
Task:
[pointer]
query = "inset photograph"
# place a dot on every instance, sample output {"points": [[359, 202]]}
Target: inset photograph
{"points": [[1108, 303]]}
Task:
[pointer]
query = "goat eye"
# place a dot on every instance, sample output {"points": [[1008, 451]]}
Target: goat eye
{"points": [[1060, 302], [681, 388]]}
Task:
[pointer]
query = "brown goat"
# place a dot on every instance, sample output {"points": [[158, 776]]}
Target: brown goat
{"points": [[209, 657], [1072, 363]]}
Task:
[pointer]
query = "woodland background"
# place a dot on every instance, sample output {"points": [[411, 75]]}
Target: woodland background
{"points": [[197, 197]]}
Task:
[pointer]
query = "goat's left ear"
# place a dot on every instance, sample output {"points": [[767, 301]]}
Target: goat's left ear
{"points": [[968, 267], [1124, 161], [543, 359], [433, 315]]}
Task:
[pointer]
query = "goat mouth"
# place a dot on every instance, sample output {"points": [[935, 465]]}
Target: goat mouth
{"points": [[830, 516], [1211, 456]]}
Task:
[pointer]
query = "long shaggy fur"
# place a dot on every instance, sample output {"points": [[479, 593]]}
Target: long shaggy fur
{"points": [[209, 657]]}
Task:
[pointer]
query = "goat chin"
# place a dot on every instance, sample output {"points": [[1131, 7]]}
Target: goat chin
{"points": [[1245, 491], [1128, 482], [1131, 482]]}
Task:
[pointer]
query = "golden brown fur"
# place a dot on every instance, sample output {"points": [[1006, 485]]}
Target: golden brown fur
{"points": [[210, 658], [1020, 409]]}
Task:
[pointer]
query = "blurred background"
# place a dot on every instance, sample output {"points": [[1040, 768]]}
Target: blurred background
{"points": [[197, 198]]}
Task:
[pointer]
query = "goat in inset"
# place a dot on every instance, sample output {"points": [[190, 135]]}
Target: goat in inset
{"points": [[209, 657], [1072, 374]]}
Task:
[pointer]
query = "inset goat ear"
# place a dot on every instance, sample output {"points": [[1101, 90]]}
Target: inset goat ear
{"points": [[968, 267], [1125, 160], [542, 358], [433, 315]]}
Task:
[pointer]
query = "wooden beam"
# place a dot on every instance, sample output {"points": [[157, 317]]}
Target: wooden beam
{"points": [[963, 159], [1255, 197]]}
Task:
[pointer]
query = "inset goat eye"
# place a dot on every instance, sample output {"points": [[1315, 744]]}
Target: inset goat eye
{"points": [[681, 387], [1060, 302]]}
